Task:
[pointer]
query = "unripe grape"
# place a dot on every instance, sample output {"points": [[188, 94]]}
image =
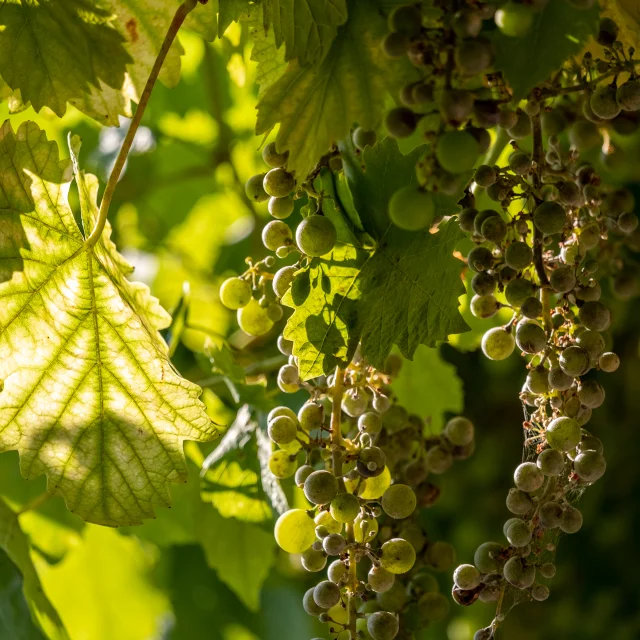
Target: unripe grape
{"points": [[519, 574], [487, 557], [276, 234], [334, 544], [528, 477], [485, 176], [518, 534], [309, 604], [295, 531], [563, 279], [271, 156], [520, 163], [282, 464], [591, 394], [320, 487], [539, 592], [281, 208], [288, 378], [628, 222], [482, 217], [438, 460], [530, 336], [282, 430], [399, 501], [628, 95], [302, 474], [371, 462], [235, 293], [480, 259], [590, 466], [406, 19], [344, 507], [337, 571], [537, 381], [278, 183], [518, 290], [549, 217], [609, 362], [457, 151], [365, 529], [473, 55], [550, 462], [253, 319], [325, 519], [370, 422], [563, 434], [459, 431], [354, 404], [433, 606], [574, 361], [383, 625], [498, 344], [494, 229], [531, 308], [592, 342], [483, 284], [401, 122], [411, 209], [484, 306], [380, 579], [311, 415], [507, 118], [364, 138], [397, 556], [316, 235], [550, 514], [326, 594], [518, 255], [514, 20], [569, 193], [466, 219], [594, 316], [394, 598], [281, 411], [254, 188], [607, 32], [381, 403], [522, 128], [519, 502], [603, 102], [571, 520], [440, 555], [313, 561], [466, 577]]}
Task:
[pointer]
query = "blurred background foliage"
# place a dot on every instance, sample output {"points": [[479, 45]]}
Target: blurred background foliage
{"points": [[208, 568]]}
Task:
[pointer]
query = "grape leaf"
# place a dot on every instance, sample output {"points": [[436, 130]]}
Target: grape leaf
{"points": [[58, 51], [231, 11], [15, 545], [428, 386], [558, 32], [404, 291], [90, 397], [626, 14], [306, 27], [317, 105], [271, 64]]}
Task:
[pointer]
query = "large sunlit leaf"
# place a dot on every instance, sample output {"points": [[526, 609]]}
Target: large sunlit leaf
{"points": [[14, 549], [316, 105], [90, 396]]}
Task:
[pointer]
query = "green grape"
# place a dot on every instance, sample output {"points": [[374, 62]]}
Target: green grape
{"points": [[397, 556], [590, 466], [380, 580], [550, 515], [494, 229], [313, 561], [433, 606], [514, 20], [553, 122], [482, 217], [457, 151], [550, 218], [354, 404], [282, 280], [518, 534], [253, 319], [571, 520], [485, 176], [438, 460], [383, 625], [395, 419], [320, 487], [590, 443], [607, 32], [563, 434], [295, 531], [302, 474], [480, 259], [466, 219], [519, 574], [539, 592], [325, 519], [278, 183], [411, 209], [282, 464], [628, 222], [272, 158], [528, 477], [550, 462], [609, 362], [370, 422], [591, 394], [594, 316], [310, 606], [276, 234], [507, 118], [326, 594], [337, 571], [316, 236], [440, 555], [235, 293], [345, 507], [288, 379], [592, 342], [563, 279], [254, 188], [456, 105], [473, 55], [281, 411], [459, 431], [399, 501], [520, 163], [569, 193], [522, 128], [603, 102], [483, 284], [281, 208], [376, 486], [311, 416], [538, 381], [628, 95], [467, 23], [484, 306], [518, 255], [498, 344], [371, 462], [406, 19], [334, 544], [282, 430], [275, 312], [488, 557], [364, 529], [466, 577], [394, 598], [364, 138], [394, 46], [547, 570], [589, 293], [531, 308], [518, 290], [584, 135], [530, 336], [574, 361], [401, 122]]}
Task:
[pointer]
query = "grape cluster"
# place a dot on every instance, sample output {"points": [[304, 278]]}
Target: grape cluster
{"points": [[363, 463]]}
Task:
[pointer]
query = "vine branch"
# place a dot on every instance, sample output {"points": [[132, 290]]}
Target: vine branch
{"points": [[178, 19], [538, 158]]}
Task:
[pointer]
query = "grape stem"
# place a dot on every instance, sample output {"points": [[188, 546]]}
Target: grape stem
{"points": [[538, 158], [182, 12]]}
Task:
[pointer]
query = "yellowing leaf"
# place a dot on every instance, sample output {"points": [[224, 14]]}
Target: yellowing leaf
{"points": [[626, 13], [90, 396]]}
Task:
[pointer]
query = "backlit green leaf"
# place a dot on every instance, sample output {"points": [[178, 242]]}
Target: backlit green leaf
{"points": [[90, 397]]}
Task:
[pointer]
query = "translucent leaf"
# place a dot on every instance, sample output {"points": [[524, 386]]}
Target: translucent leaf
{"points": [[230, 11], [306, 27], [271, 64], [626, 13], [558, 32], [317, 105], [90, 397], [14, 546]]}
